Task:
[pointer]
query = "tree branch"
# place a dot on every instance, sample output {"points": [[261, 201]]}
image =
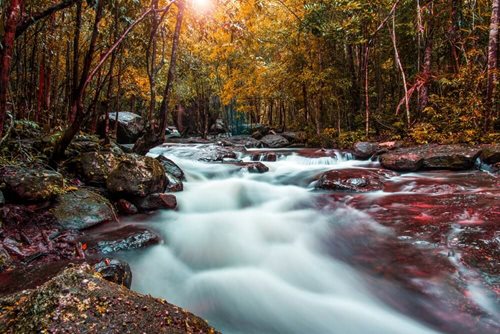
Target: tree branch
{"points": [[32, 19]]}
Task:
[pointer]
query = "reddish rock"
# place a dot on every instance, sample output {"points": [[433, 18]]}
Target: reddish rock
{"points": [[156, 202], [125, 207], [431, 157], [354, 179]]}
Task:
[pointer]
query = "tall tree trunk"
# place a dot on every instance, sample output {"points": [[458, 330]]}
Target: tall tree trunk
{"points": [[76, 60], [12, 18], [491, 103], [163, 112], [77, 107], [427, 64]]}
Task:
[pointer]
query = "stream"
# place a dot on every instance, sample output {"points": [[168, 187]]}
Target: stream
{"points": [[267, 253]]}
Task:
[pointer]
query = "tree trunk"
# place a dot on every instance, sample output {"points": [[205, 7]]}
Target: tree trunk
{"points": [[77, 107], [491, 103], [12, 18]]}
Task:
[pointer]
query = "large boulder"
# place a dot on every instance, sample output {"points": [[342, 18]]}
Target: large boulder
{"points": [[431, 157], [78, 300], [130, 126], [275, 141], [95, 167], [81, 209], [137, 176], [31, 184], [353, 179]]}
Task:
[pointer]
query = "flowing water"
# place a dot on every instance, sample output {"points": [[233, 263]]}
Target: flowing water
{"points": [[266, 253]]}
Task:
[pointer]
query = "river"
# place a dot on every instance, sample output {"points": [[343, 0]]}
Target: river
{"points": [[267, 253]]}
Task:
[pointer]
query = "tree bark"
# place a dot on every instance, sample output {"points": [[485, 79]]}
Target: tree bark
{"points": [[13, 13], [491, 103]]}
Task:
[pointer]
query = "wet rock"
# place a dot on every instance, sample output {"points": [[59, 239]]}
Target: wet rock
{"points": [[431, 157], [175, 175], [253, 167], [122, 239], [130, 126], [156, 202], [365, 150], [125, 207], [115, 271], [81, 209], [490, 154], [137, 176], [216, 153], [355, 180], [31, 184], [275, 141], [77, 300], [95, 167], [270, 157]]}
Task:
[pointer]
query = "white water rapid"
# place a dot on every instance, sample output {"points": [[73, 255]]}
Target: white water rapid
{"points": [[245, 252]]}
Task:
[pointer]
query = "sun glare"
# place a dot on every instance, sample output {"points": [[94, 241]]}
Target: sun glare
{"points": [[202, 6]]}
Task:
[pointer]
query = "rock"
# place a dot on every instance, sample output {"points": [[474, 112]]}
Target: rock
{"points": [[245, 141], [218, 127], [271, 157], [115, 271], [5, 259], [156, 202], [84, 143], [122, 239], [2, 199], [125, 207], [365, 150], [401, 161], [31, 184], [275, 141], [453, 157], [431, 157], [252, 167], [257, 135], [78, 300], [174, 173], [490, 154], [137, 176], [95, 167], [355, 180], [216, 153], [130, 126], [295, 137], [81, 209]]}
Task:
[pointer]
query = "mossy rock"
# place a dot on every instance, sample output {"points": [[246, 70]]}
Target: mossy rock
{"points": [[78, 300], [137, 176], [81, 209], [31, 184]]}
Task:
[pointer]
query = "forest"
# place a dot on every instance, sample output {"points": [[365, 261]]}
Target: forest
{"points": [[339, 71]]}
